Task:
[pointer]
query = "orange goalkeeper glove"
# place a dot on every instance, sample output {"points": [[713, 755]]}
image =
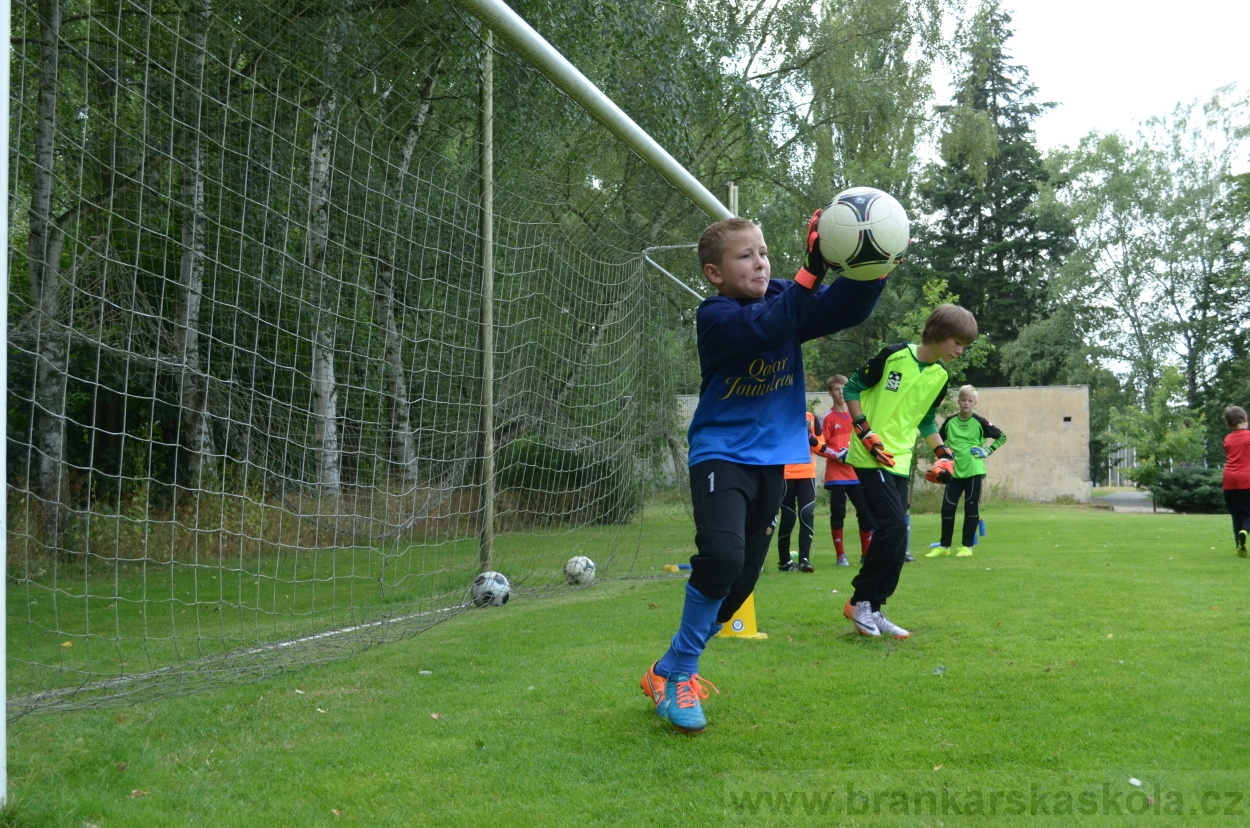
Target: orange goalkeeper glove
{"points": [[814, 265], [873, 443], [943, 468]]}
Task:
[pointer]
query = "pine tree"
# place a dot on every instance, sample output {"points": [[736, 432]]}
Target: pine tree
{"points": [[992, 237]]}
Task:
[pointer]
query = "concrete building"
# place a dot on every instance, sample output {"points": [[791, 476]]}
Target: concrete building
{"points": [[1046, 455]]}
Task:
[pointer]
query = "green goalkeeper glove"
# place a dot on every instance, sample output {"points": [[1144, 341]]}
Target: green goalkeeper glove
{"points": [[873, 443], [943, 469], [814, 265], [978, 452]]}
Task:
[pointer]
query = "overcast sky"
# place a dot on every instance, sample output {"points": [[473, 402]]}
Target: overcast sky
{"points": [[1108, 63]]}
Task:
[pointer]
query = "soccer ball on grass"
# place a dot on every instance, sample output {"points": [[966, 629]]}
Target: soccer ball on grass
{"points": [[491, 589], [580, 570], [863, 233]]}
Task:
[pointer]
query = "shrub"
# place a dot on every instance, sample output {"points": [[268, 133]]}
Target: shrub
{"points": [[1194, 491], [549, 483]]}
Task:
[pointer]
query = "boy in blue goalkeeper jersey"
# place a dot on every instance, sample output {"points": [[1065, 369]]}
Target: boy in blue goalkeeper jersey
{"points": [[749, 423]]}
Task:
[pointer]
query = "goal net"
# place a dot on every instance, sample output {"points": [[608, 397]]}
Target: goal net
{"points": [[246, 400]]}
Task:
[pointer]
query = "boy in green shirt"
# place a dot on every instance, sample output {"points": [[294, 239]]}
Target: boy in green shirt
{"points": [[896, 393], [965, 435]]}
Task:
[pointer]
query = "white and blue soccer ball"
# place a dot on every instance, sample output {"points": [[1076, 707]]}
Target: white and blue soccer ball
{"points": [[579, 570], [491, 589], [863, 233]]}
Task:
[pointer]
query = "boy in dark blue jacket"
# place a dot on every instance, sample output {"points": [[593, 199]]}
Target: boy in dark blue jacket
{"points": [[749, 423]]}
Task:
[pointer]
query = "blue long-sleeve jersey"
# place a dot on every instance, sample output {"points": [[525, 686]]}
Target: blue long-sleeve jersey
{"points": [[752, 400]]}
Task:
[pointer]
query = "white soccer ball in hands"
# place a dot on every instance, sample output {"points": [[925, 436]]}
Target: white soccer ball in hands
{"points": [[863, 233], [580, 570], [491, 589]]}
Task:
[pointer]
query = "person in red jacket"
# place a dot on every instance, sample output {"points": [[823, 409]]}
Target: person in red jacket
{"points": [[1237, 474], [840, 479]]}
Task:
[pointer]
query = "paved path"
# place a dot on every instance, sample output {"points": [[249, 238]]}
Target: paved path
{"points": [[1128, 502]]}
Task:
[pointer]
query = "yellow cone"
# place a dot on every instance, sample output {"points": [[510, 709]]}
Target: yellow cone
{"points": [[742, 625]]}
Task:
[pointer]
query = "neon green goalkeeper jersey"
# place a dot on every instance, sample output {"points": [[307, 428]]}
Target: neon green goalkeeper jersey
{"points": [[899, 394], [961, 435]]}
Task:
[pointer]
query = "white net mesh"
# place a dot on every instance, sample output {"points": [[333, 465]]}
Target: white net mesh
{"points": [[245, 396]]}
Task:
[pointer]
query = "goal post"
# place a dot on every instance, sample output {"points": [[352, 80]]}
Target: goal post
{"points": [[6, 79], [486, 547]]}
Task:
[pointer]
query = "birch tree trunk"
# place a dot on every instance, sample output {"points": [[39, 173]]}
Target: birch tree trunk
{"points": [[396, 376], [201, 468], [325, 390], [45, 281], [397, 382]]}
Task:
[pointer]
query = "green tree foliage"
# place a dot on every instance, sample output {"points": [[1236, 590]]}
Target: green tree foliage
{"points": [[994, 237], [380, 101], [1167, 434], [1158, 275], [853, 113], [1231, 382], [869, 72]]}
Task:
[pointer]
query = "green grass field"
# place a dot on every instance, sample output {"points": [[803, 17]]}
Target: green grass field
{"points": [[1076, 649], [92, 620]]}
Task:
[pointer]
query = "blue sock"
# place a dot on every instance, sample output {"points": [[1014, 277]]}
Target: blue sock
{"points": [[698, 624]]}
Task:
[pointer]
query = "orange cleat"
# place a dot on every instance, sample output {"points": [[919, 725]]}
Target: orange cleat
{"points": [[653, 685]]}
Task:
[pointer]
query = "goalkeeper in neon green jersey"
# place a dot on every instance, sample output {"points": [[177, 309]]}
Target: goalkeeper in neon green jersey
{"points": [[891, 397], [965, 434]]}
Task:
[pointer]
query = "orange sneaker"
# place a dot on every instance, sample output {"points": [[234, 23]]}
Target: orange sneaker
{"points": [[653, 685]]}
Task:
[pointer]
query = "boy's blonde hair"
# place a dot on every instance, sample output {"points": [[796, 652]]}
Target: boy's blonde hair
{"points": [[967, 390], [712, 242], [1234, 416], [949, 322], [836, 379]]}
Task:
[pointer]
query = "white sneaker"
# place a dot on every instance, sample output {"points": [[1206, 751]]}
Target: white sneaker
{"points": [[862, 615], [888, 627]]}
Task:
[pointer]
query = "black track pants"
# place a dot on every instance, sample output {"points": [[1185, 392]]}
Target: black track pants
{"points": [[734, 508], [885, 495]]}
